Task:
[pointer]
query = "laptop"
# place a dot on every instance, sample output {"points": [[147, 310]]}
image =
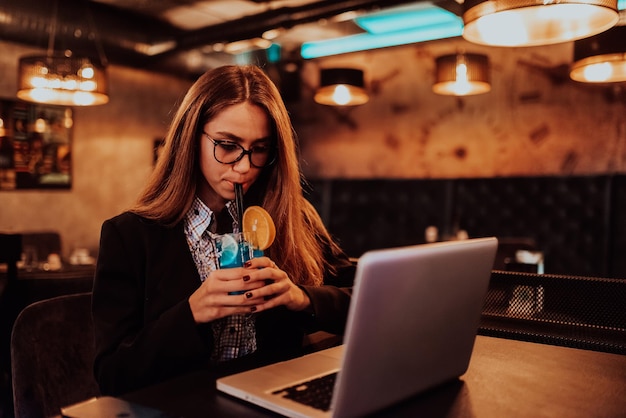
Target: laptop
{"points": [[411, 326]]}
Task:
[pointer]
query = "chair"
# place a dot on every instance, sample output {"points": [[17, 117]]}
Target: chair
{"points": [[10, 253], [52, 352]]}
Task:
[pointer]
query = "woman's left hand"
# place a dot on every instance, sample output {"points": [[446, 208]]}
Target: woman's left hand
{"points": [[279, 289]]}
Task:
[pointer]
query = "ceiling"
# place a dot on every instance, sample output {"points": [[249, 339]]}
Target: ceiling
{"points": [[181, 37]]}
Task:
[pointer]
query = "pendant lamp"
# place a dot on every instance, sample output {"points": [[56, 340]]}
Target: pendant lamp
{"points": [[341, 87], [601, 58], [536, 22], [462, 74], [60, 78]]}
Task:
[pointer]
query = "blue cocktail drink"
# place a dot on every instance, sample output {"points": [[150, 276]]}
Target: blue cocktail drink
{"points": [[234, 251]]}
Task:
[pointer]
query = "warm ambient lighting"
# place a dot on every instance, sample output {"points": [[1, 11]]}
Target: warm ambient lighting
{"points": [[62, 80], [536, 22], [395, 26], [341, 87], [462, 75], [601, 58]]}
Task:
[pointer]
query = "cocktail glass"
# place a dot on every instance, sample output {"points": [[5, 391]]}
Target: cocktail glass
{"points": [[233, 251]]}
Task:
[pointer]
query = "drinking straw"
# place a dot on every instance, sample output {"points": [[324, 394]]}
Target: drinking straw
{"points": [[239, 203]]}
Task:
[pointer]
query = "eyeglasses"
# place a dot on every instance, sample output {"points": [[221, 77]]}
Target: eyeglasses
{"points": [[228, 152]]}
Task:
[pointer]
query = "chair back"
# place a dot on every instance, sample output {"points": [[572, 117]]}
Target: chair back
{"points": [[10, 252], [52, 353]]}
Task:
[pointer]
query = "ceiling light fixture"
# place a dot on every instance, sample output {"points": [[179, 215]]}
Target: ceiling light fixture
{"points": [[601, 58], [60, 78], [395, 26], [341, 87], [536, 22], [462, 74]]}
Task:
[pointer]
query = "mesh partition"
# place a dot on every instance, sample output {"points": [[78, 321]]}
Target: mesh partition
{"points": [[572, 311]]}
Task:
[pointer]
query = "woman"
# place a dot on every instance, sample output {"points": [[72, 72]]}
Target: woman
{"points": [[161, 307]]}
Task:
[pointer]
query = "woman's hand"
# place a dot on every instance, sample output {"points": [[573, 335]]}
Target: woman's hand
{"points": [[260, 285], [278, 289]]}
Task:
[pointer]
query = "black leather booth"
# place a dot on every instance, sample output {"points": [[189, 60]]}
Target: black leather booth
{"points": [[578, 222]]}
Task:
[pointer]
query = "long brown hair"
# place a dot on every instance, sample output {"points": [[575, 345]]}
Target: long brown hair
{"points": [[300, 234]]}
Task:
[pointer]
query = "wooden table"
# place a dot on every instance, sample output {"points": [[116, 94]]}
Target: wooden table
{"points": [[40, 284], [506, 378]]}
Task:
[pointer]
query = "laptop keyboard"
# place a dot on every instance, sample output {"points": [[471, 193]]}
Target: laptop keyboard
{"points": [[316, 393]]}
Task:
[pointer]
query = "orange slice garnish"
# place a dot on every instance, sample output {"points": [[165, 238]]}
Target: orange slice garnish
{"points": [[258, 227]]}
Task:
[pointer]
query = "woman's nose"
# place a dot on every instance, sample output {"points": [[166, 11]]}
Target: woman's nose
{"points": [[243, 165]]}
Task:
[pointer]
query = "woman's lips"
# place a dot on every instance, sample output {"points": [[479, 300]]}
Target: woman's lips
{"points": [[232, 185]]}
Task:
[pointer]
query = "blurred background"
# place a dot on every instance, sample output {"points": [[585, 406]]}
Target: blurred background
{"points": [[454, 161]]}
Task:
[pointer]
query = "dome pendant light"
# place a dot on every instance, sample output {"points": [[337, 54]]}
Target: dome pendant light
{"points": [[341, 87], [536, 22], [601, 58], [462, 74], [60, 78]]}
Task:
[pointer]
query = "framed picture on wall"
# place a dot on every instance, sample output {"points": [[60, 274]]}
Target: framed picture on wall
{"points": [[35, 146]]}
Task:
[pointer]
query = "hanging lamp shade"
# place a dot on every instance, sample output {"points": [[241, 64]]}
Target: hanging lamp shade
{"points": [[341, 87], [462, 74], [62, 80], [536, 22], [601, 58]]}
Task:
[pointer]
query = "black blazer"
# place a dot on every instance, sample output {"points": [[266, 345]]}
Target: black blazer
{"points": [[144, 329]]}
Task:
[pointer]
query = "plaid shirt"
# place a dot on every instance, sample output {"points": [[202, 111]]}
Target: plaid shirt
{"points": [[235, 335]]}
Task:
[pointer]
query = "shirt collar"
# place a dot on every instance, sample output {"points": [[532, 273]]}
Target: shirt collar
{"points": [[199, 217]]}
